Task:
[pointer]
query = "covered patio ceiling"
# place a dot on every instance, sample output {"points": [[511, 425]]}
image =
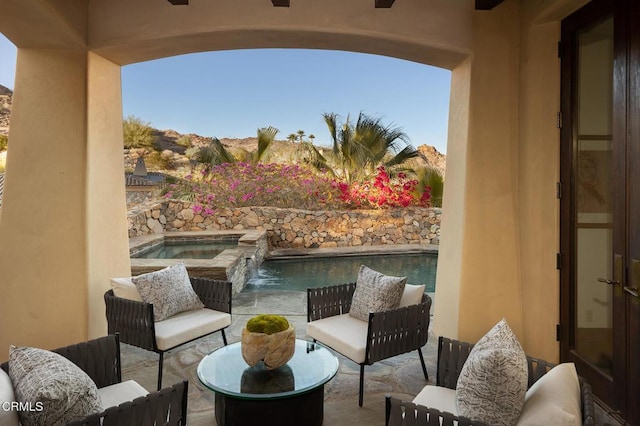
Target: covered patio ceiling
{"points": [[480, 4]]}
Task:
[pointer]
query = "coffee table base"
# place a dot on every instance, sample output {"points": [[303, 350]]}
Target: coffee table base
{"points": [[305, 409]]}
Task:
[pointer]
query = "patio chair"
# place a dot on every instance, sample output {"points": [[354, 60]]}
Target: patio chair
{"points": [[437, 407], [134, 319], [384, 335], [124, 402]]}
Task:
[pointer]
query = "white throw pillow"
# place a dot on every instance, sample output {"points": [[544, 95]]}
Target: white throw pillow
{"points": [[54, 389], [554, 399], [412, 295], [375, 292], [493, 381], [169, 290], [125, 288]]}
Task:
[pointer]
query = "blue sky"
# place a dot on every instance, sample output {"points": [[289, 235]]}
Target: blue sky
{"points": [[233, 93]]}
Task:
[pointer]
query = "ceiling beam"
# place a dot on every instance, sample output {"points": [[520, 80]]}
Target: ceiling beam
{"points": [[179, 2], [487, 4], [280, 3], [384, 3]]}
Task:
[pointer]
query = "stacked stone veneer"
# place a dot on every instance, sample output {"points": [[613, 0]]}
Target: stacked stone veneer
{"points": [[290, 228]]}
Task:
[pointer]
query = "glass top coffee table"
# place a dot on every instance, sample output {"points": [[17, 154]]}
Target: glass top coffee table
{"points": [[290, 395]]}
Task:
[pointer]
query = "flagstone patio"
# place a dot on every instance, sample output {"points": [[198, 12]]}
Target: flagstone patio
{"points": [[400, 376]]}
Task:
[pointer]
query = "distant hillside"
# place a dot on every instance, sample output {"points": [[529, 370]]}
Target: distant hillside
{"points": [[280, 151], [6, 99], [167, 142]]}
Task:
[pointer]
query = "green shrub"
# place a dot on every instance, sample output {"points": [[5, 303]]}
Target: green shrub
{"points": [[159, 161], [185, 141], [136, 133], [267, 324]]}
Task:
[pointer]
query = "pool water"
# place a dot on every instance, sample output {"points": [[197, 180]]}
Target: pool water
{"points": [[302, 273], [186, 250]]}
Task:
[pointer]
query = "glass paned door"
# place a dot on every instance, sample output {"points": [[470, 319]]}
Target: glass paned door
{"points": [[593, 204]]}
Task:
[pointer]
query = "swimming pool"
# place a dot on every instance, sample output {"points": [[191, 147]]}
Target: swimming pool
{"points": [[298, 274], [168, 249]]}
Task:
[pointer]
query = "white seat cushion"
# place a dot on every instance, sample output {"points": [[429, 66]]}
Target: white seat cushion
{"points": [[343, 333], [115, 395], [438, 397], [8, 415], [189, 325]]}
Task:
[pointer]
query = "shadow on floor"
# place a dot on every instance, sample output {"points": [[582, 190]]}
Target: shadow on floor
{"points": [[400, 376]]}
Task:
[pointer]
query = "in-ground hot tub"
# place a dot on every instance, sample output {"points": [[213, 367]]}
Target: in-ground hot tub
{"points": [[221, 255]]}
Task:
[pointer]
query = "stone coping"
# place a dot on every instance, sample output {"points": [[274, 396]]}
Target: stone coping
{"points": [[290, 253]]}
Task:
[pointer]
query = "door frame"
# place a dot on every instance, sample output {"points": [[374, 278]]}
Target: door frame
{"points": [[594, 12]]}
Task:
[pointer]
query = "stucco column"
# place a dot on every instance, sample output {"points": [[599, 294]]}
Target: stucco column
{"points": [[108, 242], [63, 231], [43, 262], [479, 281]]}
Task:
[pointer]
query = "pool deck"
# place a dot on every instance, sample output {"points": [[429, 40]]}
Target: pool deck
{"points": [[400, 376]]}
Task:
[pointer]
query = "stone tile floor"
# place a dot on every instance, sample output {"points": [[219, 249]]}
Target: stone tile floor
{"points": [[400, 376]]}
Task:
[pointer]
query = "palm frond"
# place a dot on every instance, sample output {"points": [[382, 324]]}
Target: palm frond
{"points": [[407, 153], [429, 177], [266, 135]]}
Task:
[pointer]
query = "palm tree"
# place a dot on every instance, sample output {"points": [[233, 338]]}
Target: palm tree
{"points": [[358, 149], [292, 137], [210, 155], [300, 135], [312, 137]]}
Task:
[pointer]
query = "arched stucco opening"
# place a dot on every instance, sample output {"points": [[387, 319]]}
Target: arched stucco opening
{"points": [[501, 146], [375, 44]]}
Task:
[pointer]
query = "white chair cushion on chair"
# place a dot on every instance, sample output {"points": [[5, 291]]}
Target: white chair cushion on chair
{"points": [[118, 393], [189, 325], [554, 399], [8, 416], [412, 295], [343, 333], [125, 288], [438, 397]]}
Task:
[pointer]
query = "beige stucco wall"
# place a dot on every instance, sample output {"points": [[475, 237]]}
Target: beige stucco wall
{"points": [[43, 233], [107, 238], [500, 215]]}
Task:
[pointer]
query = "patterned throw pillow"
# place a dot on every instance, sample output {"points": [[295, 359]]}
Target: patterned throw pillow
{"points": [[169, 290], [493, 381], [53, 389], [375, 292]]}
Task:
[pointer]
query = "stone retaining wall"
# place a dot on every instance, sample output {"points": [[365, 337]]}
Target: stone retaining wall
{"points": [[289, 228]]}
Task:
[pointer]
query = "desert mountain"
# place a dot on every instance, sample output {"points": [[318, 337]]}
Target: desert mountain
{"points": [[166, 141]]}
